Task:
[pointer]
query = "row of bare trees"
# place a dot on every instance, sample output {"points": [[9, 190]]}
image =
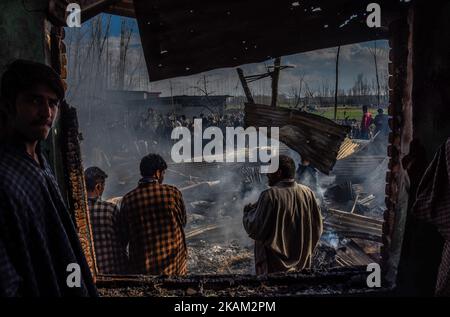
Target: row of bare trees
{"points": [[362, 86], [98, 59]]}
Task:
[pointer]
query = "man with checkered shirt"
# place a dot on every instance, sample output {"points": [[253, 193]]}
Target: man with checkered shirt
{"points": [[110, 255], [154, 217]]}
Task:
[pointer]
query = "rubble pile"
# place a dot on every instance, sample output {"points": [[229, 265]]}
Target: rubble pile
{"points": [[228, 257], [344, 281]]}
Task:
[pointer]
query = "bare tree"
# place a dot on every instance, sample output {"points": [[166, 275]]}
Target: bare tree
{"points": [[125, 35], [205, 92], [296, 92], [337, 82], [374, 52]]}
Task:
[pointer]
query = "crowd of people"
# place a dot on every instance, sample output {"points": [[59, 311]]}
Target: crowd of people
{"points": [[368, 127], [156, 126]]}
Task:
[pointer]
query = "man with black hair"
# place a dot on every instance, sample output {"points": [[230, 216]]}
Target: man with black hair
{"points": [[286, 223], [154, 217], [110, 254], [381, 122], [38, 240]]}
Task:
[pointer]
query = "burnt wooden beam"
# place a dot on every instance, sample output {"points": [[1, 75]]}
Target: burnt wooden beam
{"points": [[57, 14], [399, 137], [339, 281], [75, 183], [244, 84], [275, 78]]}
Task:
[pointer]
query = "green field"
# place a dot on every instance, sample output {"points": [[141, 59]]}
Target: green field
{"points": [[352, 112], [343, 112]]}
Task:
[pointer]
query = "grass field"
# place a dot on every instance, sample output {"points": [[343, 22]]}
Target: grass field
{"points": [[352, 112], [343, 112]]}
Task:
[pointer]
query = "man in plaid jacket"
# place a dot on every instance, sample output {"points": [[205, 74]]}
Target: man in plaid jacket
{"points": [[111, 256], [154, 217]]}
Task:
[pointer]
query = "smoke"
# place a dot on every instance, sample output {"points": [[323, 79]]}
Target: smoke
{"points": [[227, 199], [331, 239]]}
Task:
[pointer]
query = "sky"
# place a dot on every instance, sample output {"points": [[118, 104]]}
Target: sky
{"points": [[316, 67]]}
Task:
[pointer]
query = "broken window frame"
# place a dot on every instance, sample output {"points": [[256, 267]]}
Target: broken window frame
{"points": [[396, 195]]}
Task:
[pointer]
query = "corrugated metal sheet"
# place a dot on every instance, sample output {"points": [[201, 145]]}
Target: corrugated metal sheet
{"points": [[356, 168], [314, 137], [353, 225], [352, 255]]}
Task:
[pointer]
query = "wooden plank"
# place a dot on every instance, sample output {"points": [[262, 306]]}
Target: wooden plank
{"points": [[198, 231], [354, 226], [244, 84], [275, 78], [355, 217]]}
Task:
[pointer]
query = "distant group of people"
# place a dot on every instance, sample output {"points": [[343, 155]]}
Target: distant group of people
{"points": [[380, 122], [158, 127], [368, 126]]}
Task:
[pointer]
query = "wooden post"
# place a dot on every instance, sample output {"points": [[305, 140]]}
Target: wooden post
{"points": [[247, 91], [275, 77], [337, 83]]}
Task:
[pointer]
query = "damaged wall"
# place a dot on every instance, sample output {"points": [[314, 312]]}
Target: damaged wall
{"points": [[422, 246], [22, 25]]}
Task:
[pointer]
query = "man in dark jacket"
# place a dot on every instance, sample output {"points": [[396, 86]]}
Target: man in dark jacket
{"points": [[40, 253]]}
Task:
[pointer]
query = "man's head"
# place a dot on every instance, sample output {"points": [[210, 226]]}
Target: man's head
{"points": [[95, 181], [153, 165], [305, 162], [286, 170], [364, 108], [31, 93], [380, 111]]}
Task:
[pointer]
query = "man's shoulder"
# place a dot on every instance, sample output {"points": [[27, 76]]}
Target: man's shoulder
{"points": [[170, 187], [104, 205], [172, 190], [132, 193], [138, 191], [269, 193], [13, 175], [303, 188], [5, 159], [305, 191]]}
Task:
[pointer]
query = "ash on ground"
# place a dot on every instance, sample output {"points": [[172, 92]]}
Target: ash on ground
{"points": [[228, 257]]}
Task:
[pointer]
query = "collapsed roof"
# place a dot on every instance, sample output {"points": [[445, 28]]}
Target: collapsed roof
{"points": [[182, 37]]}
